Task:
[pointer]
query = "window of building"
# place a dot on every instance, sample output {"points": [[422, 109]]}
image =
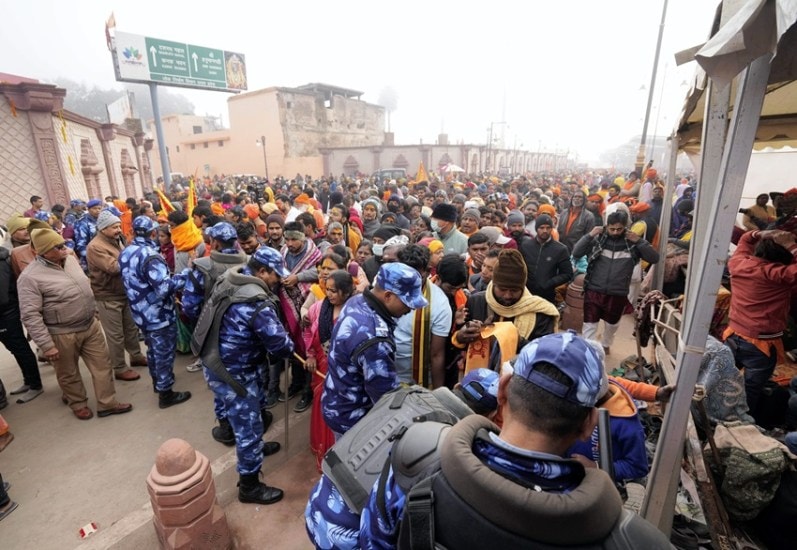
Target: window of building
{"points": [[193, 146], [288, 104], [205, 145], [178, 148], [197, 129], [221, 143]]}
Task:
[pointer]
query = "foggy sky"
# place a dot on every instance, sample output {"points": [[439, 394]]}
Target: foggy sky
{"points": [[564, 74]]}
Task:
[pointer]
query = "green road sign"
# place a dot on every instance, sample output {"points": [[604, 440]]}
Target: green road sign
{"points": [[206, 63], [167, 58], [145, 59]]}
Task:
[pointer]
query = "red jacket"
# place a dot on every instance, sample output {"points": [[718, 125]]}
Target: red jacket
{"points": [[760, 291]]}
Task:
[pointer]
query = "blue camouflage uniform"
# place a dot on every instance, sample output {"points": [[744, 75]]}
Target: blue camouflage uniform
{"points": [[551, 473], [85, 229], [329, 521], [247, 333], [362, 352], [355, 382], [150, 290]]}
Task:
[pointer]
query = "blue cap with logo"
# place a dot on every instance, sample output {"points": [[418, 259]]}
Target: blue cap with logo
{"points": [[268, 257], [144, 225], [222, 231], [574, 358], [404, 282], [94, 202], [482, 386]]}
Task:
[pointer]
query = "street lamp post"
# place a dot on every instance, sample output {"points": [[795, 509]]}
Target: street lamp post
{"points": [[640, 158], [489, 162], [262, 143]]}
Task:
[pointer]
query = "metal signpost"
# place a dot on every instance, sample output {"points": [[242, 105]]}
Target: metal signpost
{"points": [[154, 61]]}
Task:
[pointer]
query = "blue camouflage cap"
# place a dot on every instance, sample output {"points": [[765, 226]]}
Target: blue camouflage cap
{"points": [[482, 386], [404, 282], [94, 202], [144, 225], [42, 215], [76, 202], [574, 358], [222, 231], [268, 257]]}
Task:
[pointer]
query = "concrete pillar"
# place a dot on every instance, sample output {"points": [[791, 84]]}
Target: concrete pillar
{"points": [[183, 496], [107, 133]]}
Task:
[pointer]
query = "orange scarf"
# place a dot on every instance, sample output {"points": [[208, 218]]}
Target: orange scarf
{"points": [[186, 236]]}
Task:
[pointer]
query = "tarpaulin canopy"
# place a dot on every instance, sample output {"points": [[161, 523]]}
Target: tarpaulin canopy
{"points": [[760, 26]]}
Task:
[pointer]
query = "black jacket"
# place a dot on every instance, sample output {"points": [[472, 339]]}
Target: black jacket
{"points": [[479, 310], [612, 261], [548, 266]]}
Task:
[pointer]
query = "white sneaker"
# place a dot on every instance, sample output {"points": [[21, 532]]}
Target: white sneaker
{"points": [[196, 366]]}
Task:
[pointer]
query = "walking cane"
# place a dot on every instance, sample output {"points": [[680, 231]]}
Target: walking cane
{"points": [[287, 390]]}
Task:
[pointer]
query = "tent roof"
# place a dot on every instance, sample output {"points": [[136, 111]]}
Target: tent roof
{"points": [[730, 49]]}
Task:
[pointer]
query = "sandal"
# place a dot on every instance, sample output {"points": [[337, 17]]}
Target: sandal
{"points": [[83, 414]]}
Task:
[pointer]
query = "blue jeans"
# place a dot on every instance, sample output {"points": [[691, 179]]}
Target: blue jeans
{"points": [[758, 368], [791, 442]]}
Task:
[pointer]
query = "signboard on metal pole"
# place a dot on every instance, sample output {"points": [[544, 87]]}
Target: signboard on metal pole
{"points": [[145, 59], [154, 61]]}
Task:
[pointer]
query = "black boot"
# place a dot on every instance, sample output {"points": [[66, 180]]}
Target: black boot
{"points": [[169, 397], [223, 433], [267, 418], [252, 490]]}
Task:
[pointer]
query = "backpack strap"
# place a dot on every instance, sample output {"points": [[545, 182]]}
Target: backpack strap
{"points": [[419, 509]]}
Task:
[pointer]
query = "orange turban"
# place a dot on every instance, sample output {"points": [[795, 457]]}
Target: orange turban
{"points": [[252, 210], [302, 199], [651, 173], [546, 209], [640, 207]]}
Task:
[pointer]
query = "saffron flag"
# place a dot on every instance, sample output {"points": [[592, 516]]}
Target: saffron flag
{"points": [[191, 201], [421, 175], [166, 206]]}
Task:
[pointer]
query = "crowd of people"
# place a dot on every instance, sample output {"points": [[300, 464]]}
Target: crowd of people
{"points": [[356, 287]]}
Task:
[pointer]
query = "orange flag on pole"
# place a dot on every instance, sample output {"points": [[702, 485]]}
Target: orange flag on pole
{"points": [[421, 175], [191, 201], [166, 206]]}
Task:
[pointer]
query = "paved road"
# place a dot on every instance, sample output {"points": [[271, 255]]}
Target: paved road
{"points": [[66, 473]]}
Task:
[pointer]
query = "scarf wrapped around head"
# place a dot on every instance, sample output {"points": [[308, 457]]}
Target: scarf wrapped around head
{"points": [[186, 236]]}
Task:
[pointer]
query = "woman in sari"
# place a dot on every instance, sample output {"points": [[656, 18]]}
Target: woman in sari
{"points": [[322, 316]]}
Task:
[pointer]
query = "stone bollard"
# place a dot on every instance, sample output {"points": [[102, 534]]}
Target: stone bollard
{"points": [[183, 497], [573, 314]]}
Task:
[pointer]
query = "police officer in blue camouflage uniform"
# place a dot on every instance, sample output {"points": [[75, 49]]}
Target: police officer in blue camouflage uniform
{"points": [[85, 229], [150, 290], [329, 521], [546, 499], [362, 350], [249, 330], [198, 286]]}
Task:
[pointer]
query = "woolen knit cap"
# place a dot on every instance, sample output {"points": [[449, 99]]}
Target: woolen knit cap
{"points": [[106, 219], [16, 222], [510, 271], [44, 240], [516, 216], [543, 219]]}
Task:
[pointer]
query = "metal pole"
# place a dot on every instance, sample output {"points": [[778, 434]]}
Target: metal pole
{"points": [[707, 259], [156, 112], [265, 158], [287, 407], [666, 215], [640, 158]]}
